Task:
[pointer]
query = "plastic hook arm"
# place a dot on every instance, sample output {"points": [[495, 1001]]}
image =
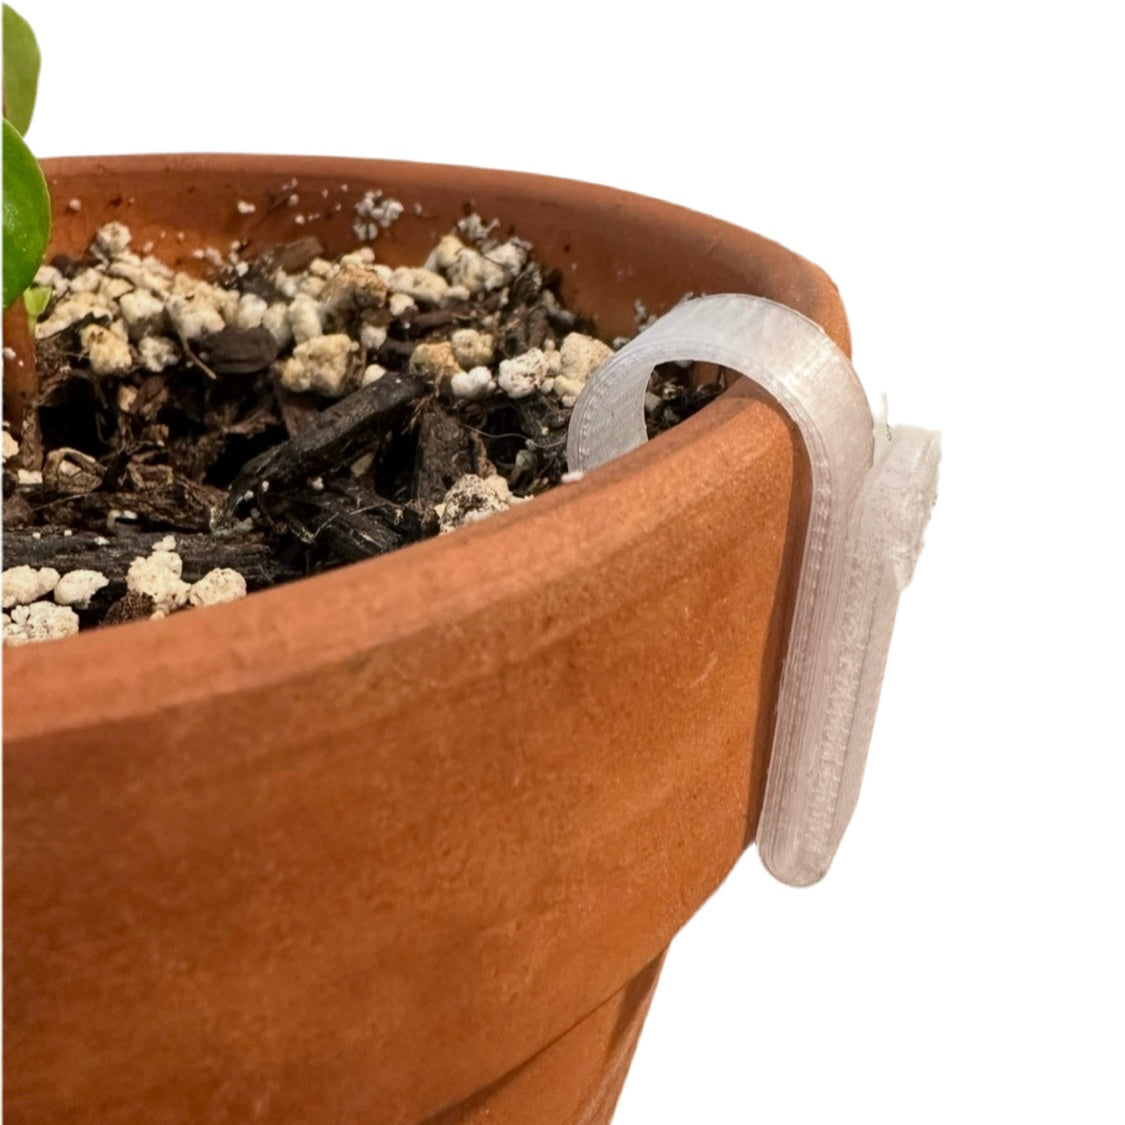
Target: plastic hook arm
{"points": [[872, 491]]}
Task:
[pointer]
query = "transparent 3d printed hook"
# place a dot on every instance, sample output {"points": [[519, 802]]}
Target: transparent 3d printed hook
{"points": [[872, 491]]}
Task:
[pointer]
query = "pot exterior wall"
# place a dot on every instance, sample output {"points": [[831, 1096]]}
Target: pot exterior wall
{"points": [[398, 838], [578, 1078]]}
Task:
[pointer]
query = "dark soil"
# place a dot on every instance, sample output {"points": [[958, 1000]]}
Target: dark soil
{"points": [[278, 485]]}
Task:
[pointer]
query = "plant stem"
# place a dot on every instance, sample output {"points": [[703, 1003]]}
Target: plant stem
{"points": [[21, 376]]}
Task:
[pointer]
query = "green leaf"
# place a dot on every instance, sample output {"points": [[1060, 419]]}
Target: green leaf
{"points": [[27, 215], [36, 298], [21, 69]]}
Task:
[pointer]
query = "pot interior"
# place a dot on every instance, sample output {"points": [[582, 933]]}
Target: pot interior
{"points": [[613, 248], [334, 842]]}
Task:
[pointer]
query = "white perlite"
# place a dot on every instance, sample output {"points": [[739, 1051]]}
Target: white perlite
{"points": [[23, 585], [523, 374], [40, 621], [88, 281], [11, 446], [372, 337], [463, 265], [475, 229], [142, 311], [304, 318], [423, 285], [146, 302], [151, 275], [434, 361], [400, 304], [109, 353], [158, 576], [310, 285], [472, 384], [353, 287], [475, 498], [580, 356], [374, 212], [364, 256], [322, 364], [509, 256], [285, 284], [71, 309], [276, 321], [217, 586], [157, 353], [77, 587], [251, 310], [112, 239], [472, 348], [113, 288], [194, 315], [49, 276]]}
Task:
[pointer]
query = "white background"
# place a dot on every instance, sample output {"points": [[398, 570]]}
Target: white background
{"points": [[954, 170]]}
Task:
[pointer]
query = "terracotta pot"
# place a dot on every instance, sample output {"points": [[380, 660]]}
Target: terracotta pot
{"points": [[406, 842]]}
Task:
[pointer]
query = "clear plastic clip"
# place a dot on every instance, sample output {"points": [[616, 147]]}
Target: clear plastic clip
{"points": [[872, 491]]}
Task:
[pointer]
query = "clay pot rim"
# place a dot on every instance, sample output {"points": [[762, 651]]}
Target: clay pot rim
{"points": [[306, 621]]}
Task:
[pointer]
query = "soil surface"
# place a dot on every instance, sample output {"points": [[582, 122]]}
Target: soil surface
{"points": [[194, 439]]}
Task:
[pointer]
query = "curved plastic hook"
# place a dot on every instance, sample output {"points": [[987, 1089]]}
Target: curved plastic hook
{"points": [[872, 491]]}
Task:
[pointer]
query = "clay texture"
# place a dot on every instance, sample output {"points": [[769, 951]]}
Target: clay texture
{"points": [[406, 842]]}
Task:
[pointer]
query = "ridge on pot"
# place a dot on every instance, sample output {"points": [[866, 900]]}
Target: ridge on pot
{"points": [[330, 852]]}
